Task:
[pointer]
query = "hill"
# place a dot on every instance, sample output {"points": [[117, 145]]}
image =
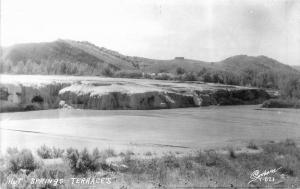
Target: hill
{"points": [[67, 57], [61, 57], [258, 71], [241, 63]]}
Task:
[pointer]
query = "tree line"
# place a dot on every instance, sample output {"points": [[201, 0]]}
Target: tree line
{"points": [[287, 82]]}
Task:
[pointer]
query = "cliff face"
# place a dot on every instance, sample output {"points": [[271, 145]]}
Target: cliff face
{"points": [[20, 93], [23, 97], [124, 96]]}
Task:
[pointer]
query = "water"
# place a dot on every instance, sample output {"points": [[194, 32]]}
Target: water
{"points": [[144, 130]]}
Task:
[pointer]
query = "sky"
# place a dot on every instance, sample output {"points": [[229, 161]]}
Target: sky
{"points": [[208, 30]]}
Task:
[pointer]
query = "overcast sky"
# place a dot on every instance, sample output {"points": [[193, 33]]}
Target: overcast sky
{"points": [[209, 30]]}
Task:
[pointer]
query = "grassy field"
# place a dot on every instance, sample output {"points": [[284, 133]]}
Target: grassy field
{"points": [[228, 167]]}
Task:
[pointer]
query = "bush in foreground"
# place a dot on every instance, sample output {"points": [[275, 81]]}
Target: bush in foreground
{"points": [[46, 152], [82, 162], [203, 169], [21, 160]]}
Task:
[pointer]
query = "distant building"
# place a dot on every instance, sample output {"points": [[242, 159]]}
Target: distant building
{"points": [[179, 58]]}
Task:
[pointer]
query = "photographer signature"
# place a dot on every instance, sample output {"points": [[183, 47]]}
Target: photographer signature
{"points": [[256, 175]]}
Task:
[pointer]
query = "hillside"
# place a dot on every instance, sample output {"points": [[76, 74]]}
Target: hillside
{"points": [[241, 63], [67, 57], [297, 67], [259, 71], [61, 57]]}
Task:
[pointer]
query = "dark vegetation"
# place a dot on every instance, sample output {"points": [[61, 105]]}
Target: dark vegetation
{"points": [[204, 168], [21, 160], [281, 103], [46, 152], [252, 145], [289, 95]]}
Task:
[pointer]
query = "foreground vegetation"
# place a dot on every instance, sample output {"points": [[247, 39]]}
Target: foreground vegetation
{"points": [[227, 168]]}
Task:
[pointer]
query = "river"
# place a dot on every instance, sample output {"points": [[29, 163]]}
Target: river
{"points": [[148, 130]]}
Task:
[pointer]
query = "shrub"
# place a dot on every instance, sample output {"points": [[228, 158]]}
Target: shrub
{"points": [[163, 76], [37, 99], [82, 162], [252, 145], [189, 77], [57, 152], [44, 152], [107, 153], [97, 160], [281, 103], [289, 165], [171, 161], [129, 74], [135, 166], [209, 158], [180, 71], [289, 142], [22, 160], [290, 88], [31, 107], [129, 152], [122, 154], [72, 157], [12, 151], [148, 154], [147, 76], [107, 71], [232, 153]]}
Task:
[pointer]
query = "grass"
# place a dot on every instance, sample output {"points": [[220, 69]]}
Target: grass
{"points": [[202, 169]]}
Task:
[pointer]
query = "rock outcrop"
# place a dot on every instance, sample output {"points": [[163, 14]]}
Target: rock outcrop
{"points": [[30, 97], [124, 96], [19, 93]]}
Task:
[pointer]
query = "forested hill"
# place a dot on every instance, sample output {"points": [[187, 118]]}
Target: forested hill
{"points": [[67, 57]]}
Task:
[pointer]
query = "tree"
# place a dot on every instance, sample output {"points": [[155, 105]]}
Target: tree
{"points": [[290, 88], [180, 71], [107, 71], [63, 68], [207, 77]]}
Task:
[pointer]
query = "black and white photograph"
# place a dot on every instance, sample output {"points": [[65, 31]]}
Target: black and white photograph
{"points": [[142, 94]]}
